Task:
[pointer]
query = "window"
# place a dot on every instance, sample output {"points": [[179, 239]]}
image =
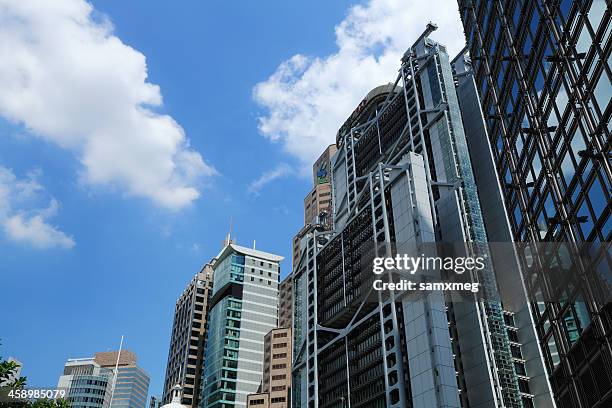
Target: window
{"points": [[259, 401], [279, 377], [277, 399], [516, 351], [513, 336], [279, 345], [279, 355], [520, 368], [279, 366], [523, 385]]}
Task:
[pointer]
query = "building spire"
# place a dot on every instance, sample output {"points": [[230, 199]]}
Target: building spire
{"points": [[228, 239]]}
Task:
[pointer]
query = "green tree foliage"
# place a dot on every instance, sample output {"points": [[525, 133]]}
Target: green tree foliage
{"points": [[8, 380]]}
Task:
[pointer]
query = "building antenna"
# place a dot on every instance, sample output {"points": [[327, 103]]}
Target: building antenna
{"points": [[253, 244], [228, 239], [229, 234], [116, 372]]}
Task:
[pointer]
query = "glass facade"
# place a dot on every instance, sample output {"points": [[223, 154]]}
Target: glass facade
{"points": [[131, 388], [542, 69], [90, 391], [403, 176], [222, 355], [244, 307]]}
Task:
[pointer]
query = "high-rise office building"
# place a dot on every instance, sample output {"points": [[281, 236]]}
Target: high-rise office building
{"points": [[402, 175], [188, 341], [318, 202], [276, 383], [319, 199], [542, 70], [131, 385], [527, 359], [285, 302], [243, 309], [87, 384]]}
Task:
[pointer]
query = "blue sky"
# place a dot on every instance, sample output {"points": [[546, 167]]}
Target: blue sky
{"points": [[93, 246]]}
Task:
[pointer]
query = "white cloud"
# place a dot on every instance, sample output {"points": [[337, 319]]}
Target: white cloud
{"points": [[28, 226], [308, 98], [282, 170], [69, 80]]}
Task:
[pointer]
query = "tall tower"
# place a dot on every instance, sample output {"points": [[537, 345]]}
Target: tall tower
{"points": [[276, 382], [243, 309], [402, 178], [318, 202], [542, 70], [188, 341]]}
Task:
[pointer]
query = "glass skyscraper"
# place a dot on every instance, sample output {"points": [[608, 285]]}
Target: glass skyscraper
{"points": [[243, 309], [542, 69], [131, 386], [403, 179], [87, 384]]}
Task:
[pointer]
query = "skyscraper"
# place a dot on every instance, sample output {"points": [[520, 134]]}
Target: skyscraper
{"points": [[318, 202], [402, 175], [131, 385], [243, 309], [87, 384], [319, 199], [542, 70], [188, 341], [276, 382], [285, 302]]}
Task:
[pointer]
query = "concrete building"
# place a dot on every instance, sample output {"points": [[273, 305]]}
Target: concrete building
{"points": [[319, 199], [318, 202], [243, 309], [260, 400], [275, 389], [188, 340], [285, 302], [542, 71], [131, 386], [88, 385], [277, 367], [403, 176]]}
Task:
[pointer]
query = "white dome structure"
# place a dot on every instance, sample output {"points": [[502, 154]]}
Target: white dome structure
{"points": [[177, 393]]}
